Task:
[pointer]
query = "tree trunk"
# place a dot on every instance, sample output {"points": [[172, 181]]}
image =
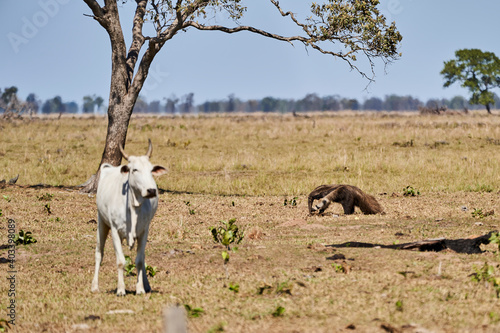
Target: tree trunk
{"points": [[123, 95], [118, 120], [125, 86], [488, 108]]}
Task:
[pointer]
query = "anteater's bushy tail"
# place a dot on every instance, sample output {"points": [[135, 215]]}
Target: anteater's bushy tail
{"points": [[368, 204]]}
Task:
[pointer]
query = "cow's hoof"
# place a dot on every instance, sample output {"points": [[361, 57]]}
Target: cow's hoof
{"points": [[120, 293]]}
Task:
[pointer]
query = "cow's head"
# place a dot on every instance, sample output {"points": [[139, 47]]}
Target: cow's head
{"points": [[140, 175]]}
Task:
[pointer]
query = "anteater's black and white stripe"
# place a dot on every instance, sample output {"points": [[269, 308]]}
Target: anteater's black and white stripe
{"points": [[347, 195]]}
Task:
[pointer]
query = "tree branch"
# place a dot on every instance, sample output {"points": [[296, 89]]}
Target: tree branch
{"points": [[137, 37], [143, 69], [94, 6], [97, 11], [292, 16], [306, 41], [244, 28]]}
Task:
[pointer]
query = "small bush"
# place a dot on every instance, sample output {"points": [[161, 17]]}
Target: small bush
{"points": [[227, 234], [24, 238], [409, 191]]}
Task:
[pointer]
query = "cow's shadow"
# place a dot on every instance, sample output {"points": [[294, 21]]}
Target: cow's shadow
{"points": [[131, 292]]}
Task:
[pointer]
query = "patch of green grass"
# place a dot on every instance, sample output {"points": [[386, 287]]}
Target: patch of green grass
{"points": [[338, 268], [130, 268], [409, 191], [47, 208], [5, 326], [399, 305], [24, 238], [487, 274], [279, 312], [193, 312], [479, 213], [480, 188], [234, 287], [284, 288], [217, 327]]}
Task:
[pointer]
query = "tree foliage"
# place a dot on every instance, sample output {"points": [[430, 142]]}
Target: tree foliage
{"points": [[352, 27], [477, 71], [12, 107]]}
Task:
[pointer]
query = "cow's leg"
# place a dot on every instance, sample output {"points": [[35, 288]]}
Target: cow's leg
{"points": [[102, 233], [142, 278], [120, 261]]}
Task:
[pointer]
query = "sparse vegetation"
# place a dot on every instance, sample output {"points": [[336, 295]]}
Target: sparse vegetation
{"points": [[399, 306], [45, 197], [191, 210], [409, 191], [487, 274], [234, 287], [47, 209], [24, 238], [279, 312], [338, 268], [193, 312], [151, 270], [285, 163], [495, 239], [227, 234], [4, 325], [129, 268], [292, 202], [479, 213]]}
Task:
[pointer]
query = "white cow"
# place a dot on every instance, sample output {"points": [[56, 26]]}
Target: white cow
{"points": [[127, 198]]}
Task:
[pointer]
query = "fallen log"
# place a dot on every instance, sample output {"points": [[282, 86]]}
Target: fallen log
{"points": [[462, 245]]}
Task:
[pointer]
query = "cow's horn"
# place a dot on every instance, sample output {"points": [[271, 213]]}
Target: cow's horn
{"points": [[150, 149], [125, 156]]}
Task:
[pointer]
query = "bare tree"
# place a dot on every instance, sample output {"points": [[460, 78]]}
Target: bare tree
{"points": [[340, 28]]}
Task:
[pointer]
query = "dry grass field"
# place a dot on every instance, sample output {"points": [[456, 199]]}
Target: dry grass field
{"points": [[245, 167]]}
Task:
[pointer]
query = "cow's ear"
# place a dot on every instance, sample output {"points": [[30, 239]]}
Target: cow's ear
{"points": [[158, 170], [124, 169]]}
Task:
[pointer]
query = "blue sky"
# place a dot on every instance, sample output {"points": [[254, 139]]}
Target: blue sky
{"points": [[62, 52]]}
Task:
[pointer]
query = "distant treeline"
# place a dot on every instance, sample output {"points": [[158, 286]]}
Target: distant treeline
{"points": [[186, 104]]}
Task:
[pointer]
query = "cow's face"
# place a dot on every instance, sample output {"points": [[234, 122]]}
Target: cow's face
{"points": [[141, 173]]}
